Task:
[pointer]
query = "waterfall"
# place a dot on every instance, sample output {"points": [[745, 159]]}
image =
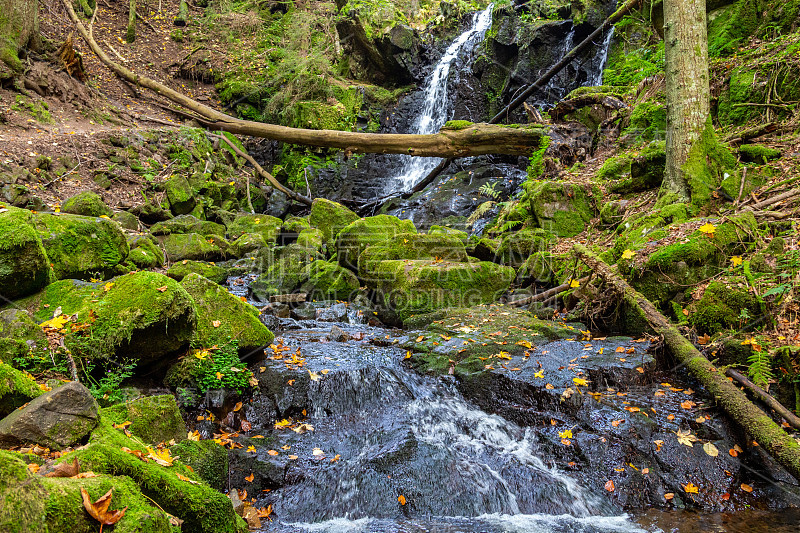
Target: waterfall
{"points": [[597, 79], [438, 106]]}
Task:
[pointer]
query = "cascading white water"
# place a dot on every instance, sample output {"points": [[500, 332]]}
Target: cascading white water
{"points": [[602, 59], [437, 106]]}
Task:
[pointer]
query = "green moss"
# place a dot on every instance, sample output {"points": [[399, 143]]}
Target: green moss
{"points": [[86, 203], [284, 274], [208, 459], [758, 154], [235, 319], [705, 167], [441, 246], [194, 246], [214, 273], [516, 247], [187, 224], [355, 238], [24, 266], [563, 209], [741, 89], [648, 121], [616, 167], [153, 419], [721, 307], [329, 281], [295, 224], [180, 195], [268, 226], [311, 238], [247, 243], [330, 218], [456, 125], [145, 252], [16, 389]]}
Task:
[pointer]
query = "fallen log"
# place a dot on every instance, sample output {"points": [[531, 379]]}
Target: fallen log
{"points": [[769, 435], [566, 107], [765, 397], [476, 139], [546, 295]]}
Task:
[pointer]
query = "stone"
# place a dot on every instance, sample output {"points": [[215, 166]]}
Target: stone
{"points": [[20, 336], [272, 322], [337, 334], [246, 243], [24, 266], [335, 313], [330, 218], [563, 209], [187, 224], [154, 419], [356, 237], [329, 281], [194, 246], [145, 252], [435, 246], [307, 311], [180, 195], [268, 226], [88, 204], [16, 389], [126, 220], [55, 420], [276, 309], [285, 274], [181, 269]]}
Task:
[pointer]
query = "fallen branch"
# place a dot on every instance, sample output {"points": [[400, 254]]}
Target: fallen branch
{"points": [[546, 295], [566, 107], [478, 139], [766, 397], [266, 175], [774, 200], [752, 133], [769, 435]]}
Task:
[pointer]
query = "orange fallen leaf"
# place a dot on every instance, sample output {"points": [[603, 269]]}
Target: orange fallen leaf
{"points": [[669, 495], [184, 478], [99, 509], [745, 487], [250, 478], [238, 406], [162, 289], [616, 423], [691, 488], [65, 469], [609, 486], [272, 452], [216, 323], [725, 497], [401, 499]]}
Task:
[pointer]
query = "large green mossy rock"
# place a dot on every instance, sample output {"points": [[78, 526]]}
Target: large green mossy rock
{"points": [[180, 270], [409, 287], [187, 224], [24, 267], [285, 273], [247, 243], [21, 339], [221, 315], [329, 281], [81, 247], [311, 238], [436, 246], [723, 306], [268, 226], [194, 246], [515, 248], [208, 459], [330, 218], [16, 388], [357, 236], [180, 195], [145, 252], [153, 419], [30, 503], [563, 209], [88, 204], [142, 316]]}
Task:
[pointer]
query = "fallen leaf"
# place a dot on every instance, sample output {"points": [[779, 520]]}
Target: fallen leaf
{"points": [[566, 434], [686, 438], [313, 376], [99, 509], [628, 254], [710, 449], [609, 486], [580, 382], [238, 406], [65, 469], [250, 478], [401, 499], [161, 457], [669, 495], [273, 452], [736, 260], [216, 323], [574, 284], [317, 452], [691, 488], [659, 444], [707, 228], [745, 487], [616, 423], [162, 289], [704, 339], [184, 478], [33, 467]]}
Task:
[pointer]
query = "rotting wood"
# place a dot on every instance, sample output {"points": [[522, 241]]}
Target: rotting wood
{"points": [[752, 133], [765, 397], [566, 107], [478, 139], [769, 435]]}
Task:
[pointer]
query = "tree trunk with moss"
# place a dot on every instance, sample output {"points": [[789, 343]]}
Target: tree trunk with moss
{"points": [[695, 159], [130, 35], [19, 29], [769, 435]]}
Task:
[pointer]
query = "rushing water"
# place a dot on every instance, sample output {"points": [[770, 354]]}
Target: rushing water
{"points": [[437, 107]]}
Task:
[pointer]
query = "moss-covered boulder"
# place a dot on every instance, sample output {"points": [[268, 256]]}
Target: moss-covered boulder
{"points": [[295, 224], [438, 230], [516, 247], [221, 315], [331, 218], [21, 339], [723, 306], [145, 252], [247, 243], [538, 268], [268, 226], [311, 238], [563, 209], [126, 220], [354, 238], [88, 204], [329, 281], [208, 459], [411, 287], [187, 224], [285, 273], [81, 247], [180, 195], [16, 389], [180, 270], [194, 246], [153, 419], [435, 246], [24, 267], [646, 171]]}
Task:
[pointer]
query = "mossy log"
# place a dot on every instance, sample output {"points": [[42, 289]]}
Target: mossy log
{"points": [[183, 14], [478, 139], [769, 435]]}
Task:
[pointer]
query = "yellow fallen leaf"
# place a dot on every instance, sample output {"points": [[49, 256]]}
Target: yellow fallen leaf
{"points": [[574, 284], [401, 499], [710, 449], [628, 254], [566, 434], [690, 488], [580, 382], [525, 343], [184, 478], [736, 260], [707, 228]]}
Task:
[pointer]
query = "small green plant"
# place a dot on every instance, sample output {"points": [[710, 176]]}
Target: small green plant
{"points": [[107, 387], [221, 368], [760, 361], [509, 225], [489, 190]]}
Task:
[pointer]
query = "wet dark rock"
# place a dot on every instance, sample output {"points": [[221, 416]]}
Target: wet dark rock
{"points": [[335, 313], [56, 419], [279, 310], [272, 322], [306, 311], [337, 334]]}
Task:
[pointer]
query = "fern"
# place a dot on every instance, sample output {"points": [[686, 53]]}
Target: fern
{"points": [[510, 225], [760, 369], [488, 190]]}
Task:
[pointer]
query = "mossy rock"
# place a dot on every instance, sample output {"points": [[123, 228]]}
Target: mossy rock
{"points": [[329, 281], [268, 226], [741, 89], [180, 195], [461, 235], [208, 459], [81, 247], [516, 247], [33, 503], [16, 389], [154, 419], [24, 266], [331, 218], [203, 509], [20, 337], [563, 209], [180, 270], [187, 224], [755, 153], [484, 249], [145, 252], [539, 268], [126, 220], [284, 274], [355, 237], [247, 243], [151, 213], [194, 246], [436, 246], [88, 204], [411, 287], [646, 171], [721, 307], [295, 224], [221, 315], [311, 238]]}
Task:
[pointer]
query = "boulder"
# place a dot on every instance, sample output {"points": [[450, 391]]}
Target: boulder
{"points": [[81, 247], [725, 304], [208, 459], [311, 238], [330, 218], [88, 204], [563, 209], [516, 247], [221, 315], [194, 246], [284, 274], [180, 270], [329, 281], [126, 220], [24, 267], [268, 226], [145, 252], [153, 419], [435, 246], [56, 419], [246, 243], [20, 336], [16, 389], [334, 313], [355, 237], [180, 195], [187, 224]]}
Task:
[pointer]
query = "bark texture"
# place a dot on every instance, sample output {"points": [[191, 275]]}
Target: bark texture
{"points": [[769, 435], [688, 107], [18, 29]]}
